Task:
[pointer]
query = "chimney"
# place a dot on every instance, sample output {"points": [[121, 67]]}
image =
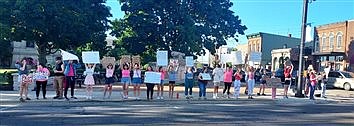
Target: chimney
{"points": [[289, 35]]}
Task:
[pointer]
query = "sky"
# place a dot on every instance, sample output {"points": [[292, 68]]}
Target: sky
{"points": [[280, 17]]}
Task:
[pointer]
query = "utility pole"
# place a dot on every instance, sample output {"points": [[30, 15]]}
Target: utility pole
{"points": [[303, 36]]}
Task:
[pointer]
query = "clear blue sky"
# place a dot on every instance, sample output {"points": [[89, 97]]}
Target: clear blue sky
{"points": [[278, 16]]}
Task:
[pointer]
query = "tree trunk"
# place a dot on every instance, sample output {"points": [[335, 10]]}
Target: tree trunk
{"points": [[42, 54]]}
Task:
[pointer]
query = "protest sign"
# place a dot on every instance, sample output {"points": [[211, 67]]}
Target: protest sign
{"points": [[125, 59], [189, 61], [162, 58], [91, 57], [237, 57], [152, 77], [256, 56], [108, 60], [205, 76], [68, 56]]}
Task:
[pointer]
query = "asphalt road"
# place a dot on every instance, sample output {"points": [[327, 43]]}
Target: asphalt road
{"points": [[181, 112]]}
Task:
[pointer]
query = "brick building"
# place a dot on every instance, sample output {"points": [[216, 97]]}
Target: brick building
{"points": [[334, 46]]}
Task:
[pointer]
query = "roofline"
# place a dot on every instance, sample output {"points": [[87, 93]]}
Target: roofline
{"points": [[339, 22]]}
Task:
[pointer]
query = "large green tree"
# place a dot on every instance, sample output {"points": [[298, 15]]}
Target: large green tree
{"points": [[54, 24], [178, 25]]}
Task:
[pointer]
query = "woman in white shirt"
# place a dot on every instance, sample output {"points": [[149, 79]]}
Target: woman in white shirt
{"points": [[218, 74], [136, 81]]}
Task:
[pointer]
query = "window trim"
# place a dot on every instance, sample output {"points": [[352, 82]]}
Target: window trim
{"points": [[331, 43], [323, 43], [339, 34]]}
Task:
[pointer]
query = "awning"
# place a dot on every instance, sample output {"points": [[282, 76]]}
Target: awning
{"points": [[328, 53]]}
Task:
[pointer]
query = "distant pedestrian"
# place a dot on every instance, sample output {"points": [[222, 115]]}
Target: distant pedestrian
{"points": [[149, 86], [250, 82], [59, 78], [287, 73], [313, 80], [160, 87], [125, 80], [237, 83], [70, 73], [136, 81], [172, 78], [218, 74], [89, 80], [324, 85], [307, 82], [109, 80], [23, 78], [202, 82], [263, 84], [189, 82], [227, 81], [41, 77]]}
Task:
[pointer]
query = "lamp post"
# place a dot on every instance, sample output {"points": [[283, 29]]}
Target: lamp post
{"points": [[303, 35]]}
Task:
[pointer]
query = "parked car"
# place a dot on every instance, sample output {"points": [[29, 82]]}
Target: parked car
{"points": [[340, 79]]}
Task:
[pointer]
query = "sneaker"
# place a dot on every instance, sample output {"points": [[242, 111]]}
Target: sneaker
{"points": [[22, 100], [161, 97], [158, 97], [258, 94], [28, 98], [251, 97], [44, 97], [66, 98], [186, 97], [37, 98], [323, 97], [73, 97], [60, 98], [190, 96], [214, 97], [56, 97]]}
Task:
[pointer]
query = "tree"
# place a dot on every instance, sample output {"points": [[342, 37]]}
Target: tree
{"points": [[55, 24], [181, 25]]}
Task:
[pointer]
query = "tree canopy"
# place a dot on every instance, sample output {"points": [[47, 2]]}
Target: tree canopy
{"points": [[55, 24], [180, 25]]}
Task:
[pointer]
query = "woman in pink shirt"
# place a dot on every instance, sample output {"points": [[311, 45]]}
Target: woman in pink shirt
{"points": [[227, 81], [250, 81], [160, 86], [313, 80], [41, 77], [125, 80]]}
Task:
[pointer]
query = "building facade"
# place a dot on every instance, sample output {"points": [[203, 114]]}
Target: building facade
{"points": [[334, 46], [279, 56], [265, 43]]}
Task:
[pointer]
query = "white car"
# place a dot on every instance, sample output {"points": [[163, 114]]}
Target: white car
{"points": [[340, 79]]}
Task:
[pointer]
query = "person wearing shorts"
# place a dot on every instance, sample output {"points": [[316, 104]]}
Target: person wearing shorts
{"points": [[136, 81], [125, 80], [22, 75], [218, 74], [263, 83], [160, 86], [287, 74], [109, 80], [172, 77]]}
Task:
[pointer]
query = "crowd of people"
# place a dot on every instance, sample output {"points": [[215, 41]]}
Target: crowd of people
{"points": [[65, 72]]}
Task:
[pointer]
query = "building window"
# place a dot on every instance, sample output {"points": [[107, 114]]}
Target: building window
{"points": [[331, 41], [317, 48], [323, 43], [254, 47], [339, 40], [30, 44]]}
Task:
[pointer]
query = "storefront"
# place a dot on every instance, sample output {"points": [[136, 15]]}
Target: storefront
{"points": [[335, 60]]}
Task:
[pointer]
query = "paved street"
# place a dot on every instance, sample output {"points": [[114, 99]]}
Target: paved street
{"points": [[261, 110]]}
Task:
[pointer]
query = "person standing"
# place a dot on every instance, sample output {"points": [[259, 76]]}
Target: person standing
{"points": [[59, 78], [237, 83], [109, 80], [23, 79], [227, 81], [188, 84], [41, 77], [202, 82], [263, 83], [161, 85], [313, 85], [89, 80], [287, 73], [70, 73], [125, 80], [136, 80], [149, 86], [172, 77], [218, 74], [324, 85], [250, 82]]}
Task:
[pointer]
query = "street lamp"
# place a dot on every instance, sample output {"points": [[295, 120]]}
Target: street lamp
{"points": [[303, 35]]}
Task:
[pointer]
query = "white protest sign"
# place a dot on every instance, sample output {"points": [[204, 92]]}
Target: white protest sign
{"points": [[256, 57], [225, 58], [68, 56], [205, 76], [91, 57], [189, 61], [237, 57], [162, 59], [152, 77]]}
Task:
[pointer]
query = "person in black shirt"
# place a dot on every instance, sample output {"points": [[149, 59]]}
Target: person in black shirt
{"points": [[59, 78]]}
